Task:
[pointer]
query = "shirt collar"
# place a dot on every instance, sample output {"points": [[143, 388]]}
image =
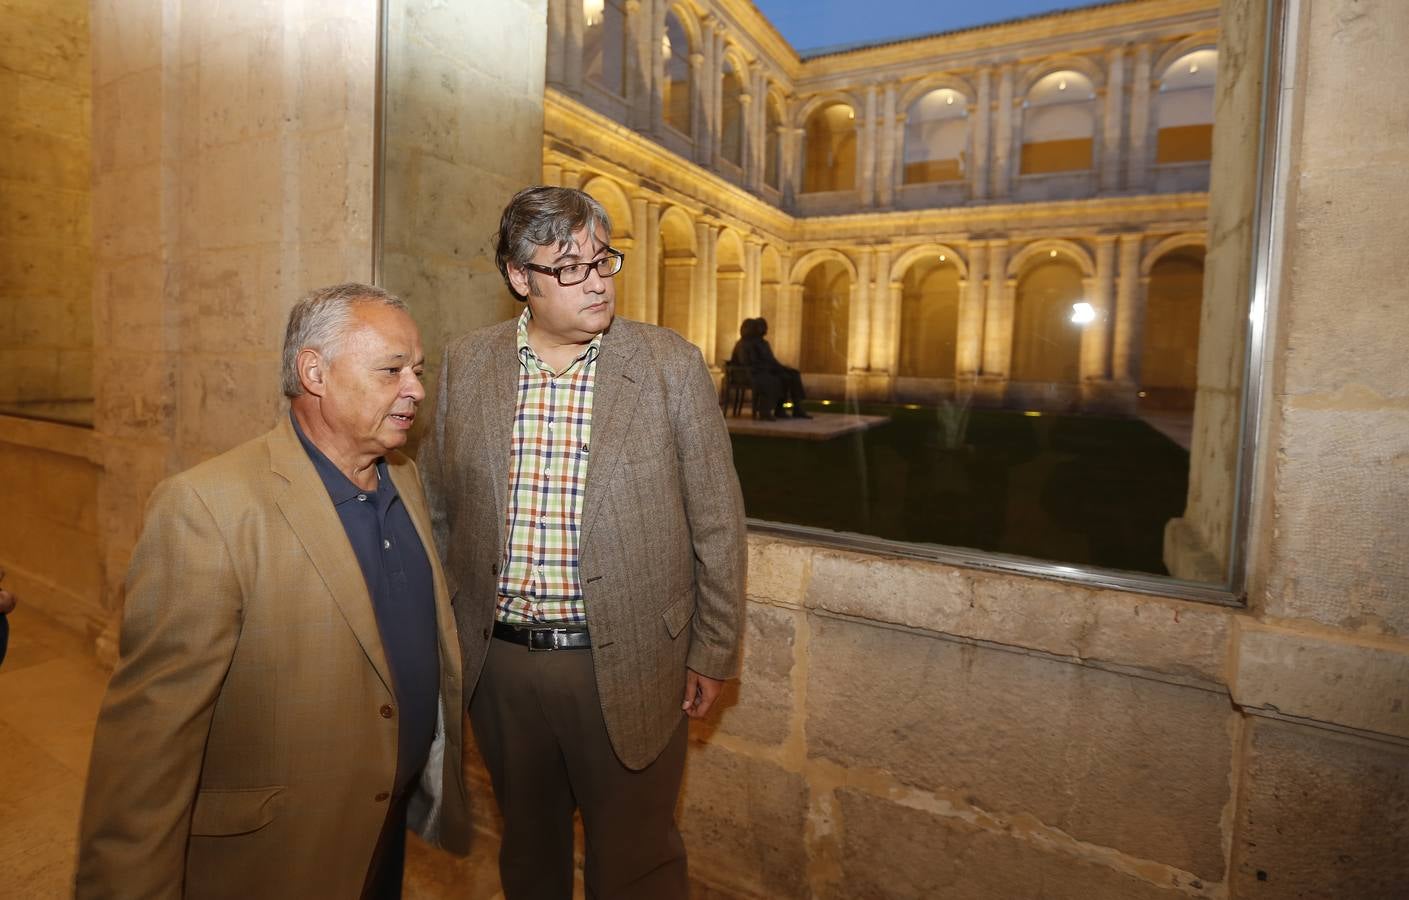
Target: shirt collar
{"points": [[526, 354], [340, 487]]}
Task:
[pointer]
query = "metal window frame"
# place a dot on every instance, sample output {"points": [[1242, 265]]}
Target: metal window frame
{"points": [[1274, 159]]}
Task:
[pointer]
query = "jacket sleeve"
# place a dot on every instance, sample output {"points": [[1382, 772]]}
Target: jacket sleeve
{"points": [[181, 622], [714, 508]]}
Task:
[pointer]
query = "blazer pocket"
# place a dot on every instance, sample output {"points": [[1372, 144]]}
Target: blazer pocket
{"points": [[231, 812], [678, 614]]}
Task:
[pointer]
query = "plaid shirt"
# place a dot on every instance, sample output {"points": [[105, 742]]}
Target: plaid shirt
{"points": [[538, 580]]}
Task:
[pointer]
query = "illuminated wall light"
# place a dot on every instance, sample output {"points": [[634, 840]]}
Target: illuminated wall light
{"points": [[941, 257], [1193, 68], [1062, 85], [592, 11], [665, 46], [1083, 313], [949, 98], [1032, 413], [1052, 254], [912, 406]]}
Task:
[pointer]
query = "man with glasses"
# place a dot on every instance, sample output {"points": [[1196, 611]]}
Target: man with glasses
{"points": [[583, 492]]}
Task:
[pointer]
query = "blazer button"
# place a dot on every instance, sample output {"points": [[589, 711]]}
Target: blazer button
{"points": [[486, 634], [382, 797], [386, 711]]}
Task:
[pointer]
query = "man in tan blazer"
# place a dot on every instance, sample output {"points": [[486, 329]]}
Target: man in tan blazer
{"points": [[584, 494], [289, 689]]}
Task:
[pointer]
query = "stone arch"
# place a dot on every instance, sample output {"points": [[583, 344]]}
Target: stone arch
{"points": [[1038, 250], [613, 199], [915, 254], [679, 86], [679, 265], [688, 20], [1045, 66], [1168, 245], [804, 111], [1206, 40], [801, 267], [729, 290], [936, 82]]}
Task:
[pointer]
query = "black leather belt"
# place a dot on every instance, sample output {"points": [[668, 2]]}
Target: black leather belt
{"points": [[544, 638]]}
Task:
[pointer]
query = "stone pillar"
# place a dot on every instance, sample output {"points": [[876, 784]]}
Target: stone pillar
{"points": [[707, 90], [637, 61], [979, 127], [576, 29], [1129, 314], [1095, 335], [1114, 124], [885, 324], [753, 275], [710, 313], [557, 40], [697, 103], [635, 269], [997, 324], [657, 55], [890, 128], [858, 340], [866, 158], [792, 162], [649, 259], [702, 288], [788, 348], [552, 175], [746, 137], [571, 177], [1137, 177], [968, 355], [1003, 133]]}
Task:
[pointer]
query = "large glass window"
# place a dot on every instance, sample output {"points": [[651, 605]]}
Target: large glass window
{"points": [[675, 90], [936, 137], [1059, 122], [829, 148]]}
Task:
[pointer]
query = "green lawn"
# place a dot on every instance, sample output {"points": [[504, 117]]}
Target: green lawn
{"points": [[1078, 489]]}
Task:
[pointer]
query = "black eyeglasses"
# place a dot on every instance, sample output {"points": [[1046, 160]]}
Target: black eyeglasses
{"points": [[576, 273]]}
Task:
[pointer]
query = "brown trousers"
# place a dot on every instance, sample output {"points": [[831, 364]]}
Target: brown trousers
{"points": [[538, 723]]}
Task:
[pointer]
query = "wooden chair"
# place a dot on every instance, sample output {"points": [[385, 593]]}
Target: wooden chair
{"points": [[736, 386]]}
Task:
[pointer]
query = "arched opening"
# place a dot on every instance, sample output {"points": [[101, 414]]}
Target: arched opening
{"points": [[936, 137], [604, 44], [929, 319], [1184, 108], [677, 271], [826, 314], [729, 292], [829, 149], [1169, 346], [773, 123], [1046, 340], [675, 91], [731, 129], [1059, 124], [607, 193]]}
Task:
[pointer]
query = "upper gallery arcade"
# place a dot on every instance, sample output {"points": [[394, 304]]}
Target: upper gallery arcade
{"points": [[1014, 213]]}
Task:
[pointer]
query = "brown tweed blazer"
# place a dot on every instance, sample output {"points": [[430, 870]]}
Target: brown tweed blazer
{"points": [[242, 749], [662, 546]]}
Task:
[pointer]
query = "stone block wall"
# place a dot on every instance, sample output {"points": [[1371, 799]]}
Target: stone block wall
{"points": [[46, 318]]}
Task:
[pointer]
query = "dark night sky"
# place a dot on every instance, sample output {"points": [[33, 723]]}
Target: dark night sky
{"points": [[808, 24]]}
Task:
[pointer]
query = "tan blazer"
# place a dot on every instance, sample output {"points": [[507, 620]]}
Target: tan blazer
{"points": [[242, 748], [662, 544]]}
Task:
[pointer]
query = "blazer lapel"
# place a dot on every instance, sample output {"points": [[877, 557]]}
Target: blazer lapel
{"points": [[310, 513], [500, 380], [615, 390]]}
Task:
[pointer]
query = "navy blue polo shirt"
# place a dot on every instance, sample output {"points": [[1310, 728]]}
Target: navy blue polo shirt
{"points": [[398, 576]]}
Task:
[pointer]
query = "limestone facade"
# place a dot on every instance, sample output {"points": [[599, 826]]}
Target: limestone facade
{"points": [[821, 192]]}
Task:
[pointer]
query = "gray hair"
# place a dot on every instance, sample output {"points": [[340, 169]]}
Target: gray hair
{"points": [[539, 216], [319, 321]]}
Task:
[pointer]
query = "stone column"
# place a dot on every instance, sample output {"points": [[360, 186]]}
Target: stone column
{"points": [[710, 314], [649, 259], [886, 173], [657, 56], [1095, 335], [697, 102], [552, 174], [979, 125], [557, 40], [1129, 314], [571, 177], [968, 355], [1114, 125], [1003, 133], [753, 275], [638, 66], [885, 328], [702, 286], [998, 315], [746, 137], [576, 28], [858, 339], [636, 273], [866, 159], [789, 345], [708, 90], [792, 163], [1137, 177]]}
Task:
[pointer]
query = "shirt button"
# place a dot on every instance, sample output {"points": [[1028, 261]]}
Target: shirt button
{"points": [[486, 634], [382, 797], [386, 711], [362, 497], [386, 545]]}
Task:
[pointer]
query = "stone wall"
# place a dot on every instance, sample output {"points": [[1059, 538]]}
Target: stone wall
{"points": [[46, 318]]}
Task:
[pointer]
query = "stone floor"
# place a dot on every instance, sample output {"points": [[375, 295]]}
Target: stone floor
{"points": [[50, 689]]}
